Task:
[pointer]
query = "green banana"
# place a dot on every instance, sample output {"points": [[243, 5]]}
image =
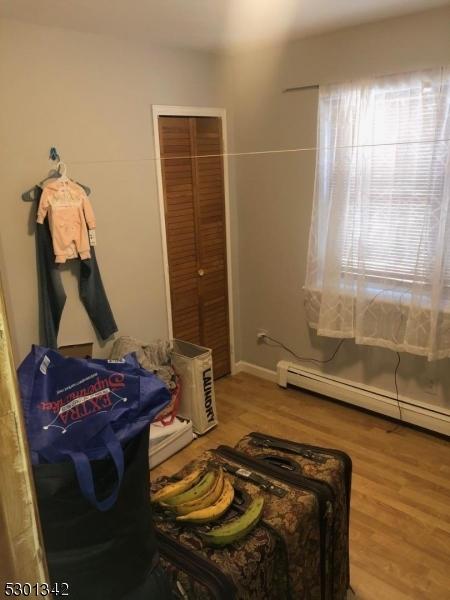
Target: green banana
{"points": [[203, 486], [214, 511], [176, 488], [211, 497], [237, 528]]}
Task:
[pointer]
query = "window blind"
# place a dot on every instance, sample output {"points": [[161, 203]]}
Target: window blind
{"points": [[396, 226]]}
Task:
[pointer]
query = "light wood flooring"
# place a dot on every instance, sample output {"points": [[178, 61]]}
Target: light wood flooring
{"points": [[400, 515]]}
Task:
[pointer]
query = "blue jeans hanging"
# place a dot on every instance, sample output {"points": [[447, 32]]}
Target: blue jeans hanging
{"points": [[52, 296]]}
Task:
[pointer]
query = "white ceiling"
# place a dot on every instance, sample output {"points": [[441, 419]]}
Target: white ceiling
{"points": [[208, 24]]}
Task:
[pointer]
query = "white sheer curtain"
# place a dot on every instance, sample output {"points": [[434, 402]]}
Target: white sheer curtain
{"points": [[379, 248]]}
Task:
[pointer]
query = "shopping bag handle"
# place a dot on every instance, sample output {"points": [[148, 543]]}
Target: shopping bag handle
{"points": [[84, 471]]}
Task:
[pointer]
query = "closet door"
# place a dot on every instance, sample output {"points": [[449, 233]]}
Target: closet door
{"points": [[211, 240], [196, 240], [181, 231]]}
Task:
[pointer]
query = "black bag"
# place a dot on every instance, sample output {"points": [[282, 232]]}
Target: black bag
{"points": [[101, 555]]}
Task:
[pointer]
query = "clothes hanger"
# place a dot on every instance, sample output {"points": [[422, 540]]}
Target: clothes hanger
{"points": [[61, 168], [33, 193]]}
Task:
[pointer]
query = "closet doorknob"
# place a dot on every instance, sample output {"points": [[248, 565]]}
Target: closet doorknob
{"points": [[201, 272]]}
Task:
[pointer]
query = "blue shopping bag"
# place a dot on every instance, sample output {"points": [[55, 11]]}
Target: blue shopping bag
{"points": [[86, 409]]}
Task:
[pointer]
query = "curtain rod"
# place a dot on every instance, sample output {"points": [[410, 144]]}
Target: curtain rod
{"points": [[301, 87]]}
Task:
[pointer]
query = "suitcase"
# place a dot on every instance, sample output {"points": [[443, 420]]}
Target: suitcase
{"points": [[280, 559], [251, 569], [328, 467], [302, 517]]}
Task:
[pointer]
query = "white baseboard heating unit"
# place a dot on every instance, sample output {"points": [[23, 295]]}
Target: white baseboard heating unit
{"points": [[423, 414]]}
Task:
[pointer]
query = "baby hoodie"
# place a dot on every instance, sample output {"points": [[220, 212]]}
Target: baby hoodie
{"points": [[70, 215]]}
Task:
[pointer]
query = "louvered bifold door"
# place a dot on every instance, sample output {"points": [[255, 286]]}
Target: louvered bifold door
{"points": [[211, 241], [178, 183], [193, 180]]}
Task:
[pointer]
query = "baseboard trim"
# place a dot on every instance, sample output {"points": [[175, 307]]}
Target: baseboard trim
{"points": [[417, 413], [245, 367], [378, 401]]}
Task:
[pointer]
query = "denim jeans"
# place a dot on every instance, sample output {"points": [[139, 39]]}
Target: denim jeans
{"points": [[52, 296]]}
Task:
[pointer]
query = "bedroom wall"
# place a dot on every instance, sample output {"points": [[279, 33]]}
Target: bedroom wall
{"points": [[274, 192], [90, 96]]}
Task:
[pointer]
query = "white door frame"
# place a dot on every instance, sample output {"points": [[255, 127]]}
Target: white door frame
{"points": [[194, 111]]}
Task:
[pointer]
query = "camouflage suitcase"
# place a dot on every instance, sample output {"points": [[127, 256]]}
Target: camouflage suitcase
{"points": [[329, 467], [281, 558]]}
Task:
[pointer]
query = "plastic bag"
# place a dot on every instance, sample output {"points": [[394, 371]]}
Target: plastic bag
{"points": [[83, 409]]}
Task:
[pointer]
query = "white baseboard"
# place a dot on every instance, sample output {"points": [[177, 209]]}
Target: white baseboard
{"points": [[418, 413], [246, 367], [422, 414]]}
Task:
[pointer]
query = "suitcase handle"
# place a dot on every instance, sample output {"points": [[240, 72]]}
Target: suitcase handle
{"points": [[280, 461]]}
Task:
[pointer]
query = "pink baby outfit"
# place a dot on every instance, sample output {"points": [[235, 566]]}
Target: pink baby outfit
{"points": [[70, 215]]}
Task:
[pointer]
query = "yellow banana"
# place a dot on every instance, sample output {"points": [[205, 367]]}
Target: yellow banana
{"points": [[237, 528], [173, 489], [216, 510], [208, 499], [203, 486]]}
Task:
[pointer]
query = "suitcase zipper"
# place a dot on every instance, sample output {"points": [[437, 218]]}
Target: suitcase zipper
{"points": [[200, 568], [321, 490]]}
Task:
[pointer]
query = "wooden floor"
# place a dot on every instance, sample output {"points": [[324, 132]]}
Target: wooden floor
{"points": [[400, 516]]}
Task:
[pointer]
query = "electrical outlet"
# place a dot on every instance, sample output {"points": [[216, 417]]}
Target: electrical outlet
{"points": [[261, 335]]}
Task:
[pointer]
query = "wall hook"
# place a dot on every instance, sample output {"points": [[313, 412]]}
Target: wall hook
{"points": [[54, 154]]}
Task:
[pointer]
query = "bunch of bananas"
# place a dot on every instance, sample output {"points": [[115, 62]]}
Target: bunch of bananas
{"points": [[203, 496]]}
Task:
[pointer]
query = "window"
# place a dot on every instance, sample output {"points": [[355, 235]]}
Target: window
{"points": [[379, 250]]}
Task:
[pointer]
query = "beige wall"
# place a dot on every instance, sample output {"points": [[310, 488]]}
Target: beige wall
{"points": [[273, 192], [90, 96]]}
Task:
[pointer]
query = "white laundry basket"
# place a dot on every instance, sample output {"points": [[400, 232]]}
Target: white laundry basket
{"points": [[193, 365]]}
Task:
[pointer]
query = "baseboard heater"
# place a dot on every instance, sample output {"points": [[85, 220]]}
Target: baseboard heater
{"points": [[423, 414]]}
